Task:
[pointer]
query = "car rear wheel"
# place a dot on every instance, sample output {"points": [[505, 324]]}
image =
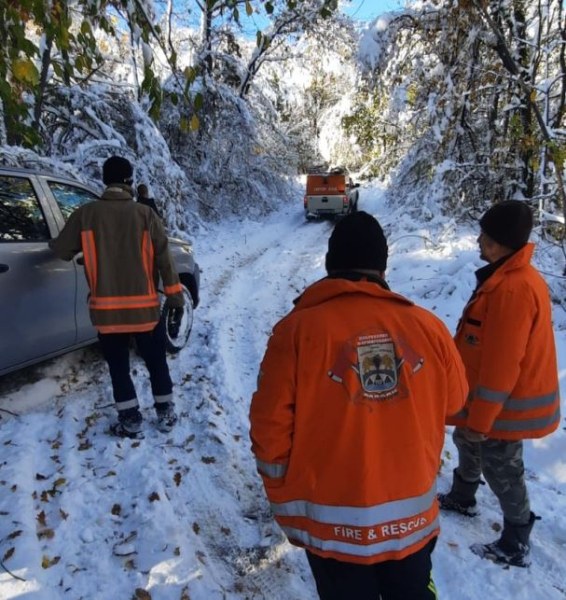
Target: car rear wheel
{"points": [[176, 343]]}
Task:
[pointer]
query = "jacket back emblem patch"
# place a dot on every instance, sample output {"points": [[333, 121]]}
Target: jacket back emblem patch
{"points": [[377, 366], [369, 366]]}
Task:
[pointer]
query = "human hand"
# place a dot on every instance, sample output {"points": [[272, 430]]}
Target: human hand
{"points": [[473, 436], [174, 319]]}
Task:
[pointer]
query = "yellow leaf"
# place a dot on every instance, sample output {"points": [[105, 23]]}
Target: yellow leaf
{"points": [[46, 534], [195, 123], [47, 562], [24, 70]]}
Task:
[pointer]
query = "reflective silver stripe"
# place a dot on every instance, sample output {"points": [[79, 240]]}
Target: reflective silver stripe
{"points": [[526, 424], [133, 403], [163, 399], [491, 395], [274, 470], [366, 516], [391, 545], [528, 403]]}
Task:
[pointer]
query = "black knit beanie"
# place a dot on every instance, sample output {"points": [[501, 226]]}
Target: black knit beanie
{"points": [[117, 169], [357, 242], [509, 223]]}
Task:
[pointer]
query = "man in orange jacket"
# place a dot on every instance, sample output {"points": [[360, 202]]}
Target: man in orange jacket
{"points": [[506, 340], [126, 252], [347, 424]]}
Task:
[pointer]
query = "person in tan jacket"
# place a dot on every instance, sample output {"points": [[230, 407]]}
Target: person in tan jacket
{"points": [[347, 424], [126, 252], [506, 341]]}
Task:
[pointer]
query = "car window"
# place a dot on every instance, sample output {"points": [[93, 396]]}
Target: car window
{"points": [[21, 217], [69, 197]]}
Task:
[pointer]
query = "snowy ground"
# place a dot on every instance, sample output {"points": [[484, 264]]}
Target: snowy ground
{"points": [[182, 516]]}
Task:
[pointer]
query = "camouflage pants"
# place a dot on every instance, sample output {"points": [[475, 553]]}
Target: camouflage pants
{"points": [[501, 462]]}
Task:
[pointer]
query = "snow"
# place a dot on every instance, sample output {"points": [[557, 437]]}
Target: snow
{"points": [[183, 515]]}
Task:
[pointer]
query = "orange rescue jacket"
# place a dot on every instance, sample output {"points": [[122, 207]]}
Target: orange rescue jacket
{"points": [[126, 251], [506, 341], [347, 423]]}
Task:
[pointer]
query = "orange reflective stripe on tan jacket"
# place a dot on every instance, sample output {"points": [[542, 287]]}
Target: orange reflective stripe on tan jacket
{"points": [[506, 340], [347, 423], [125, 252]]}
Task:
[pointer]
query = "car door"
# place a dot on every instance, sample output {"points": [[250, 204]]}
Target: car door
{"points": [[37, 290], [68, 197]]}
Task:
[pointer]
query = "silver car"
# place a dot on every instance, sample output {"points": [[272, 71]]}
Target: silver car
{"points": [[43, 300]]}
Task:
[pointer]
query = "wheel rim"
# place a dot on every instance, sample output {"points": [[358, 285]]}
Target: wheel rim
{"points": [[186, 326]]}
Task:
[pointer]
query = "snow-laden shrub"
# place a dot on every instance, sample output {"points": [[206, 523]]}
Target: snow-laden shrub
{"points": [[86, 125], [238, 160]]}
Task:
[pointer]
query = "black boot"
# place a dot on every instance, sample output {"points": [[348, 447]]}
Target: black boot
{"points": [[512, 548], [461, 497]]}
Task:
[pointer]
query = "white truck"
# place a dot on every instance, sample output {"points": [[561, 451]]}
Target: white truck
{"points": [[330, 194]]}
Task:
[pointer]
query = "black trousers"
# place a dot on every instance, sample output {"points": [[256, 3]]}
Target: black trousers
{"points": [[407, 579], [152, 348]]}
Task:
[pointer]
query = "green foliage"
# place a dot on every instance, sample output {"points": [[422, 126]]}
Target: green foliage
{"points": [[557, 151], [70, 51], [375, 136]]}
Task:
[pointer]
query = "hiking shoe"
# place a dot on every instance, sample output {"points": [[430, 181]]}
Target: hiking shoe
{"points": [[166, 419], [127, 429], [495, 553], [449, 504]]}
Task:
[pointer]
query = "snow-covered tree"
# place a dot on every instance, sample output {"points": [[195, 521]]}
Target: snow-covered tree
{"points": [[474, 92]]}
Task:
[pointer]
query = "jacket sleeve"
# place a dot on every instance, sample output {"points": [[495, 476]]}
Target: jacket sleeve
{"points": [[164, 262], [456, 379], [272, 412], [68, 243], [508, 322]]}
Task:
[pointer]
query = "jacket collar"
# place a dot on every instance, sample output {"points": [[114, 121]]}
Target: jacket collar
{"points": [[359, 276], [329, 288], [118, 191], [491, 275]]}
